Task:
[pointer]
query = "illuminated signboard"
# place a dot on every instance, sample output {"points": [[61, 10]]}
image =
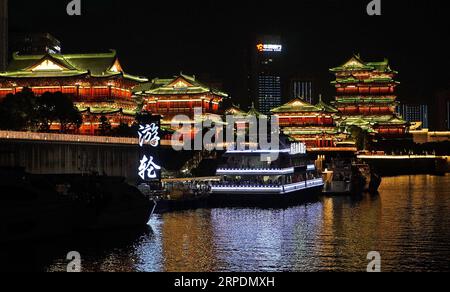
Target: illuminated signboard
{"points": [[148, 169], [149, 134], [149, 142], [269, 48], [298, 148]]}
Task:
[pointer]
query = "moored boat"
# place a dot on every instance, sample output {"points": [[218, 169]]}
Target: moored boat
{"points": [[249, 180], [38, 206], [346, 175]]}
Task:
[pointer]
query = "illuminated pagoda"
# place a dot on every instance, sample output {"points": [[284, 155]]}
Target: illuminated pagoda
{"points": [[366, 97], [239, 115], [313, 125], [96, 82], [235, 110], [253, 112], [242, 118], [180, 95]]}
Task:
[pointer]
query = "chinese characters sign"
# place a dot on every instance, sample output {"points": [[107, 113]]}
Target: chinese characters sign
{"points": [[269, 48], [149, 134], [298, 148], [148, 168], [149, 140]]}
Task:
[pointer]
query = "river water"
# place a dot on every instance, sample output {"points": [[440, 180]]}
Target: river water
{"points": [[408, 224]]}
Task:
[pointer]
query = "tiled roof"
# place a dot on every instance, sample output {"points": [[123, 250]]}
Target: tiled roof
{"points": [[178, 85], [69, 65], [296, 105], [357, 64]]}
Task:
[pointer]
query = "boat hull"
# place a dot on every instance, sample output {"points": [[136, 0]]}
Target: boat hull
{"points": [[32, 209], [265, 200]]}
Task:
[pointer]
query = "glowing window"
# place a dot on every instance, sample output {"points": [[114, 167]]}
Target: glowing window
{"points": [[181, 84], [48, 65]]}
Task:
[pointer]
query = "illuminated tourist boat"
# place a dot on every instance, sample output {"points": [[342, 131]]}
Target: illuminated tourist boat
{"points": [[251, 177]]}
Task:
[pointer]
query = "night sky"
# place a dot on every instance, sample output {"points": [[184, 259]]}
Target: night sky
{"points": [[162, 38]]}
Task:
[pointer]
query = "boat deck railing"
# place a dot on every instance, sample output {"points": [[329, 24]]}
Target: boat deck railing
{"points": [[223, 171], [232, 187]]}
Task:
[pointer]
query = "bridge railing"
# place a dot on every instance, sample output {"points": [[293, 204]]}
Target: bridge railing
{"points": [[51, 137]]}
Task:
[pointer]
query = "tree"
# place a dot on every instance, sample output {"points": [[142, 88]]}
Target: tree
{"points": [[68, 115], [123, 130], [360, 136], [57, 107], [25, 111], [46, 111], [17, 111], [105, 126]]}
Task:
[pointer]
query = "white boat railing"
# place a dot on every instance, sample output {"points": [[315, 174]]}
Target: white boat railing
{"points": [[268, 188], [274, 171]]}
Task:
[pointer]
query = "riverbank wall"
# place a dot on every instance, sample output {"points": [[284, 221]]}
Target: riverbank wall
{"points": [[407, 165]]}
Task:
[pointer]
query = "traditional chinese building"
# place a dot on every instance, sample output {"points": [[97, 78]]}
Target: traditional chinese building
{"points": [[313, 125], [234, 110], [96, 82], [243, 118], [180, 95], [239, 115], [366, 96]]}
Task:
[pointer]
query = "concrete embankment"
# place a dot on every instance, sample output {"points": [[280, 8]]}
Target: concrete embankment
{"points": [[404, 165]]}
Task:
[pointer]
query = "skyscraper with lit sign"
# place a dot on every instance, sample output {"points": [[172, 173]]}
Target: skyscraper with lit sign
{"points": [[267, 73]]}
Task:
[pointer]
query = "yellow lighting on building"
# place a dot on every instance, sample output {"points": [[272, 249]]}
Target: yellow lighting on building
{"points": [[47, 65]]}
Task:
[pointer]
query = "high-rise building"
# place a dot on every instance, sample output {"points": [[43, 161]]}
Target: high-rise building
{"points": [[415, 113], [448, 115], [302, 88], [267, 73], [3, 34], [36, 44], [441, 112]]}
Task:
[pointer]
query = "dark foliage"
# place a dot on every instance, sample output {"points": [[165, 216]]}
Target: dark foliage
{"points": [[25, 111]]}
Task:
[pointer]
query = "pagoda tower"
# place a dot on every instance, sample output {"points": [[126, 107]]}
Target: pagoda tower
{"points": [[366, 95]]}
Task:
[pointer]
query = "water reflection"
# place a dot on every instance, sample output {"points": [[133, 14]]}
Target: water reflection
{"points": [[408, 223]]}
